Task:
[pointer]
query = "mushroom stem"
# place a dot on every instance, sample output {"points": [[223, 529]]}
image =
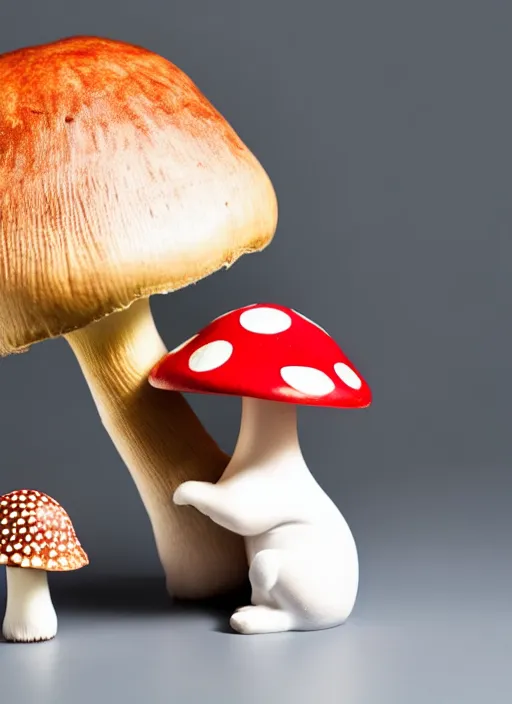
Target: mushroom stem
{"points": [[268, 439], [271, 484], [29, 615], [163, 444]]}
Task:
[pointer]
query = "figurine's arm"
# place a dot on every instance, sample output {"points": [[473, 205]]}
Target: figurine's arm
{"points": [[245, 513]]}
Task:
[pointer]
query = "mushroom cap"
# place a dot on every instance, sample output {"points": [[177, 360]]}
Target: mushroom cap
{"points": [[264, 351], [36, 532], [118, 180]]}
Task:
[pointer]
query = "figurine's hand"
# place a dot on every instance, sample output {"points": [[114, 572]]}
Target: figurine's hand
{"points": [[203, 496], [238, 513], [187, 492]]}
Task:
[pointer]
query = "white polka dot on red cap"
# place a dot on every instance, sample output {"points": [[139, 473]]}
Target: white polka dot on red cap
{"points": [[210, 356], [308, 381], [265, 321], [347, 375]]}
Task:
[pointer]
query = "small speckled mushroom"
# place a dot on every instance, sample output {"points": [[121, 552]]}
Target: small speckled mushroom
{"points": [[37, 537]]}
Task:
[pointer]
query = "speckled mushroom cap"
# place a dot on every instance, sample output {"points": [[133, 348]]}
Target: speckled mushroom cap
{"points": [[36, 532], [118, 179]]}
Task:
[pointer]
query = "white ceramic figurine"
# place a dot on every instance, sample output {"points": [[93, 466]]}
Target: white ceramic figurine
{"points": [[303, 563]]}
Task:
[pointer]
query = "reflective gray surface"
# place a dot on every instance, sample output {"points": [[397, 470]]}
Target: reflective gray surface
{"points": [[124, 643]]}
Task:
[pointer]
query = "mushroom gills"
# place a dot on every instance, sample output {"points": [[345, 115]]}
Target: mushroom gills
{"points": [[30, 615]]}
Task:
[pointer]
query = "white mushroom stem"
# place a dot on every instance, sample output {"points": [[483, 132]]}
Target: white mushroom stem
{"points": [[271, 482], [29, 615], [163, 444], [268, 441]]}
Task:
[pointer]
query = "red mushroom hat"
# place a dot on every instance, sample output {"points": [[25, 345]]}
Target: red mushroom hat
{"points": [[264, 351]]}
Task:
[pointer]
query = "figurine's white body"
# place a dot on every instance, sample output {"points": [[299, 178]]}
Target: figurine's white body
{"points": [[303, 559]]}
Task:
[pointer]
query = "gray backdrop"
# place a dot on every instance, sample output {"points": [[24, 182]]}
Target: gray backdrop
{"points": [[386, 129]]}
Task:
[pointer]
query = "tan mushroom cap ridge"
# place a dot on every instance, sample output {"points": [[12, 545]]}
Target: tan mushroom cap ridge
{"points": [[36, 532], [118, 179]]}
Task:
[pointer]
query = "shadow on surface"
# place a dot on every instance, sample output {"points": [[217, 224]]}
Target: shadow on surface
{"points": [[138, 595]]}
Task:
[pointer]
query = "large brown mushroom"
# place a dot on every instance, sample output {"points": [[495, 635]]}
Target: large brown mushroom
{"points": [[118, 180]]}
